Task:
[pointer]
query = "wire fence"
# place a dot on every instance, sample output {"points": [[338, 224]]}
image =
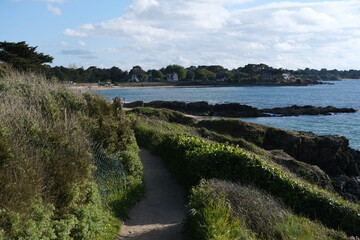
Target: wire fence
{"points": [[110, 174]]}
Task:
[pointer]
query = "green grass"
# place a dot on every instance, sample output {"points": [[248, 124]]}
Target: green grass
{"points": [[210, 217], [164, 114]]}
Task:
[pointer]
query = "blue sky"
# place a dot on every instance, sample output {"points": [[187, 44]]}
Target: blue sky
{"points": [[156, 33]]}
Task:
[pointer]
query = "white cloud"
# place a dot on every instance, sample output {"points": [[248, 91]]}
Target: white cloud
{"points": [[143, 5], [54, 10], [63, 43], [225, 32], [81, 43], [73, 33], [88, 27]]}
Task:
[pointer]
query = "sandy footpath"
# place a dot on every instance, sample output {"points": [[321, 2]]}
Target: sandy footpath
{"points": [[161, 213]]}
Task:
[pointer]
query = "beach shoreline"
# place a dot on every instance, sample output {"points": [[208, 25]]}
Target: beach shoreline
{"points": [[96, 87]]}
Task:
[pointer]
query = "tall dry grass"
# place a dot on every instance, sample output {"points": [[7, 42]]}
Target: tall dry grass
{"points": [[268, 217], [46, 149], [47, 188]]}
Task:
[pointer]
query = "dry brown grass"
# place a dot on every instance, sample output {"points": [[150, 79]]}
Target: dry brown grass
{"points": [[43, 139]]}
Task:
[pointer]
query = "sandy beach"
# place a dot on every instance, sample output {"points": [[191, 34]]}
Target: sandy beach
{"points": [[96, 87]]}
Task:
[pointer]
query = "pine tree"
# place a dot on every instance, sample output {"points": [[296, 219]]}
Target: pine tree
{"points": [[23, 57]]}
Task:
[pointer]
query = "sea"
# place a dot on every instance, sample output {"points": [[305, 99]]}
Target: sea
{"points": [[339, 94]]}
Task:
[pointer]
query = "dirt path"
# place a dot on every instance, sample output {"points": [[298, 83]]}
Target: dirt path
{"points": [[160, 214]]}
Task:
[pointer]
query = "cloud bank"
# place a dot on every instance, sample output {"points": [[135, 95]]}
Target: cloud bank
{"points": [[227, 32]]}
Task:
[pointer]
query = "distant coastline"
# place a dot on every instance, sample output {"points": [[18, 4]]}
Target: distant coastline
{"points": [[96, 87]]}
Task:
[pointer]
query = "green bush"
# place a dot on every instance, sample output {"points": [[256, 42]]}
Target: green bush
{"points": [[192, 159]]}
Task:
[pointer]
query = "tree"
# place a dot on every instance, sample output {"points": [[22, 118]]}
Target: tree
{"points": [[179, 70], [190, 75], [204, 75], [115, 74], [23, 57], [139, 73], [156, 75]]}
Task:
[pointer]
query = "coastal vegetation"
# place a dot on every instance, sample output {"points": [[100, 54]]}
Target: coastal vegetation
{"points": [[220, 209], [69, 164], [193, 157], [68, 161]]}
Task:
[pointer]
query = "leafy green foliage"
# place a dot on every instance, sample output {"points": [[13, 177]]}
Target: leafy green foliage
{"points": [[179, 70], [156, 75], [204, 75], [139, 73]]}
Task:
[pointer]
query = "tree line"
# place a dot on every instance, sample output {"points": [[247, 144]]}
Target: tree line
{"points": [[23, 57]]}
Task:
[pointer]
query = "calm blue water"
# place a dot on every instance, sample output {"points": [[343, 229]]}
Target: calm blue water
{"points": [[341, 94]]}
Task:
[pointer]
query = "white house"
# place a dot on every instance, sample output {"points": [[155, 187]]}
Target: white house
{"points": [[133, 78], [286, 76], [172, 77]]}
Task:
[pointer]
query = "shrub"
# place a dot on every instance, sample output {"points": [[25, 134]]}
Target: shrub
{"points": [[192, 159], [253, 212], [47, 165]]}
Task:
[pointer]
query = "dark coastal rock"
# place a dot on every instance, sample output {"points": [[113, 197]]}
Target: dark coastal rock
{"points": [[307, 110], [203, 108], [200, 108], [134, 104], [348, 187], [238, 110], [173, 105], [308, 172], [331, 153]]}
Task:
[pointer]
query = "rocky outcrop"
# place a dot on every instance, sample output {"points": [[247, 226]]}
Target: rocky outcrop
{"points": [[307, 110], [238, 110], [133, 104], [308, 172], [349, 187], [203, 108], [331, 153]]}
